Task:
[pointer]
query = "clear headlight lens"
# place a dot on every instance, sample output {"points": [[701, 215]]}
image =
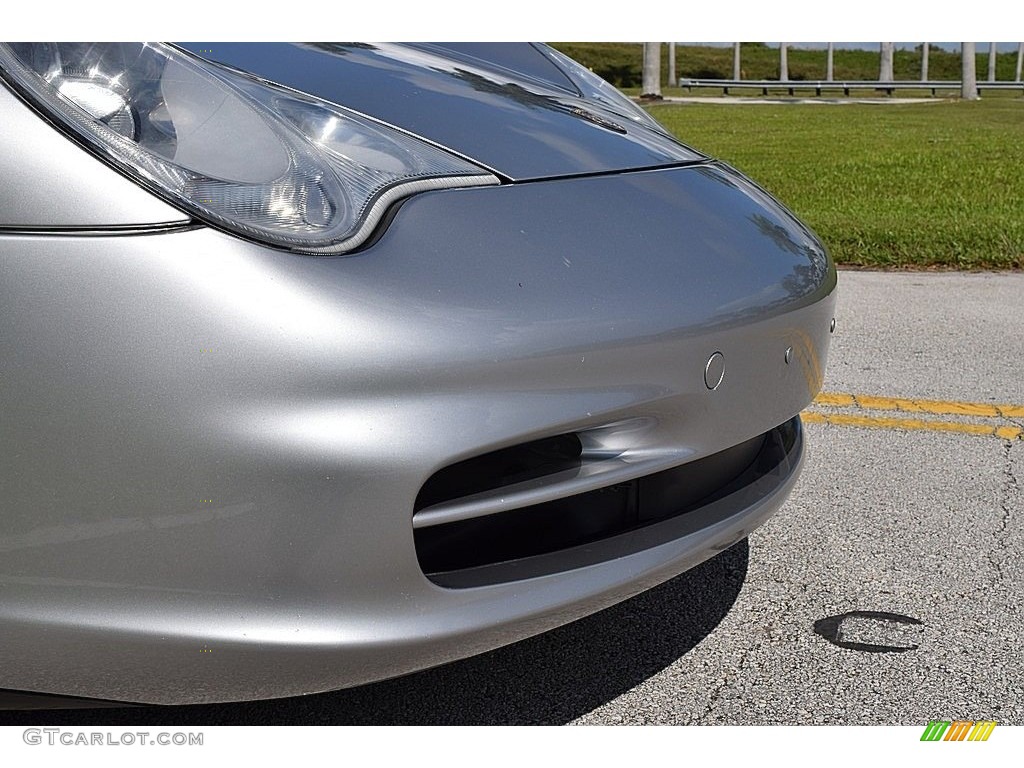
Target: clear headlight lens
{"points": [[262, 161]]}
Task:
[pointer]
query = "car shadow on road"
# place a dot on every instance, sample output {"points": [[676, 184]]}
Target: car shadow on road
{"points": [[546, 680]]}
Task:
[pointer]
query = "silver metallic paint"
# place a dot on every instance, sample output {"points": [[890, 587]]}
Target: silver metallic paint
{"points": [[48, 182], [209, 442], [211, 448]]}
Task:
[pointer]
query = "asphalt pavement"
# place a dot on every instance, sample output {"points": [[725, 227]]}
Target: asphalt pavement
{"points": [[886, 591]]}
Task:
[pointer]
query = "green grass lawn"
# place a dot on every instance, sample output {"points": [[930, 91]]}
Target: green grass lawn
{"points": [[922, 185]]}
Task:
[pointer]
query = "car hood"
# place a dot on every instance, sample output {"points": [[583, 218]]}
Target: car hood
{"points": [[519, 109]]}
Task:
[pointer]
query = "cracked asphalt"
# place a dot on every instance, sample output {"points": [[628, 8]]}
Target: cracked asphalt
{"points": [[886, 591], [916, 526]]}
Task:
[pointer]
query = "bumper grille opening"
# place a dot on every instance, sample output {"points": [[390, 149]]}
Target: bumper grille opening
{"points": [[498, 469], [562, 523]]}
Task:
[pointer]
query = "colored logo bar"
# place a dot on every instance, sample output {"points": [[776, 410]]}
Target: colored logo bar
{"points": [[958, 730]]}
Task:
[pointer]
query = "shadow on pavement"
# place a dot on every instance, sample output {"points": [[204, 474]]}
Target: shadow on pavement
{"points": [[549, 679]]}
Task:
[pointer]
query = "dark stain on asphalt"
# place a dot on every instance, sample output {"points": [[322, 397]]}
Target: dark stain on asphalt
{"points": [[871, 631]]}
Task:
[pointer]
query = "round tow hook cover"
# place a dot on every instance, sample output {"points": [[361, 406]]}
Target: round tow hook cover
{"points": [[714, 371]]}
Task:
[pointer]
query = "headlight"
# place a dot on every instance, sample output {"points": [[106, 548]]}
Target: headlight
{"points": [[254, 158]]}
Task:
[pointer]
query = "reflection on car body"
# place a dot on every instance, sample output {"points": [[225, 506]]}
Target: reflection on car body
{"points": [[340, 361]]}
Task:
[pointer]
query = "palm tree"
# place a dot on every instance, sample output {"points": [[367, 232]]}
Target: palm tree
{"points": [[924, 62], [968, 78], [885, 54], [783, 61], [991, 62], [652, 72]]}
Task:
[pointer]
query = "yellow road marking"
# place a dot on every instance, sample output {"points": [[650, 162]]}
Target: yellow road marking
{"points": [[835, 398], [882, 422], [930, 407], [938, 407]]}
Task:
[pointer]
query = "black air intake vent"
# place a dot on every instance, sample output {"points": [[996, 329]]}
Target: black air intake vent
{"points": [[479, 512], [498, 469]]}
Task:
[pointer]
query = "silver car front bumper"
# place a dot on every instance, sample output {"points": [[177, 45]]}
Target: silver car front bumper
{"points": [[213, 450]]}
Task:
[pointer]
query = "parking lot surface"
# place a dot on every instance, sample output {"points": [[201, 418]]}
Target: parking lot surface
{"points": [[886, 591]]}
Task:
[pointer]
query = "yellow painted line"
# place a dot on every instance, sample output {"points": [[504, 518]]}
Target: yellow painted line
{"points": [[883, 422], [835, 398], [937, 407]]}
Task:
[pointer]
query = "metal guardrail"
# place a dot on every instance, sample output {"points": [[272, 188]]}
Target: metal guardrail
{"points": [[847, 85]]}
